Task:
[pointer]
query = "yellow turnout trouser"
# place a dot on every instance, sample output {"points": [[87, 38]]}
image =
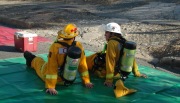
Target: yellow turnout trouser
{"points": [[39, 66]]}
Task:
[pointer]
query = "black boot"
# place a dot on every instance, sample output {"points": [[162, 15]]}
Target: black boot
{"points": [[29, 57]]}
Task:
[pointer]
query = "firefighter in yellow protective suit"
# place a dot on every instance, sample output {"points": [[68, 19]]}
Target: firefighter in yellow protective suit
{"points": [[104, 64], [61, 67]]}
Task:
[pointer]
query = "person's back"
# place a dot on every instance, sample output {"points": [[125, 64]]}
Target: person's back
{"points": [[113, 62], [66, 57]]}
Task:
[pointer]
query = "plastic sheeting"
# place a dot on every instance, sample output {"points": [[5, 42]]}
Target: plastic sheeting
{"points": [[21, 85]]}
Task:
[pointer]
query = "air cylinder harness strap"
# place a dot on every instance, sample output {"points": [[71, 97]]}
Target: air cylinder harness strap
{"points": [[61, 70], [124, 75]]}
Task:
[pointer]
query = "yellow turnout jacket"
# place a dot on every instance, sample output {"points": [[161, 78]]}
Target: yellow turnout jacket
{"points": [[48, 71], [112, 56]]}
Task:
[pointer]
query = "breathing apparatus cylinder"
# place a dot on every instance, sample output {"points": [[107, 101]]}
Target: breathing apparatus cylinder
{"points": [[128, 56], [72, 63]]}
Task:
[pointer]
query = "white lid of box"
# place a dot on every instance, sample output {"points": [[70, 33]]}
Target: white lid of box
{"points": [[25, 34]]}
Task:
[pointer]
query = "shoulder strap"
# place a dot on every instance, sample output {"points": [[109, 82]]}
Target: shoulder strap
{"points": [[62, 67], [116, 39], [65, 44], [117, 68], [121, 42]]}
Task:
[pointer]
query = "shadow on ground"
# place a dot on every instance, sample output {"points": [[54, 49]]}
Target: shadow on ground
{"points": [[7, 48]]}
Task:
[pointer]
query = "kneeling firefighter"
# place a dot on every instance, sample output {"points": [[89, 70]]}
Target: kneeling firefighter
{"points": [[66, 57], [119, 60]]}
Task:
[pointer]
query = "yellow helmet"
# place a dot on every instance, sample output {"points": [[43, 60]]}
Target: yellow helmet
{"points": [[69, 31]]}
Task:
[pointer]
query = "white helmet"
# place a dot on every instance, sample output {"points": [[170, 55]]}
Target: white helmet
{"points": [[113, 27]]}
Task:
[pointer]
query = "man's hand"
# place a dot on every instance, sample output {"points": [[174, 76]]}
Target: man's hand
{"points": [[89, 85], [143, 75], [108, 84], [51, 91]]}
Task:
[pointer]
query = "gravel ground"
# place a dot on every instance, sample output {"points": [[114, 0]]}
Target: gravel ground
{"points": [[153, 24]]}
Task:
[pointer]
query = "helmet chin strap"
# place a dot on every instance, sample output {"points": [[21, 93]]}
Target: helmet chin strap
{"points": [[111, 35], [70, 38]]}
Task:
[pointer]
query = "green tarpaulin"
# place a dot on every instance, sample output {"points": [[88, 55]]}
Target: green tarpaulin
{"points": [[21, 85]]}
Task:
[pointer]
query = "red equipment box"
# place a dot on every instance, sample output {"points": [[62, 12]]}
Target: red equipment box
{"points": [[25, 41]]}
